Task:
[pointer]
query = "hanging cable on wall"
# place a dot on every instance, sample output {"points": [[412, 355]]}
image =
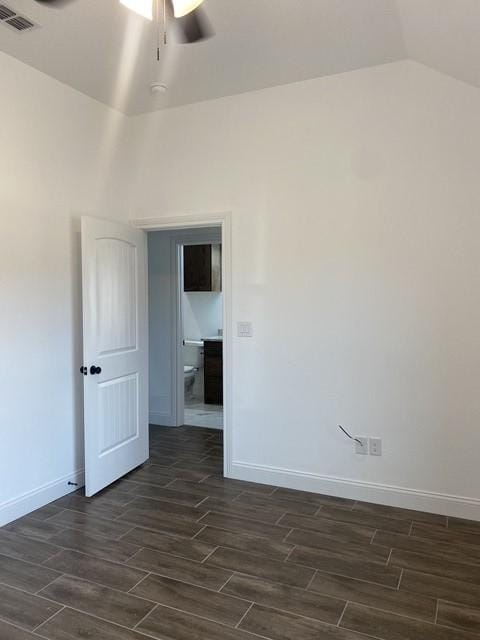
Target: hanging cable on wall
{"points": [[349, 436]]}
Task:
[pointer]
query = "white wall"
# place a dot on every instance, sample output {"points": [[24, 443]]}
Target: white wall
{"points": [[161, 252], [202, 314], [59, 158], [355, 253], [356, 243]]}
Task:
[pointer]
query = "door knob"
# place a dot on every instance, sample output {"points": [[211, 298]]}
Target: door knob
{"points": [[95, 370]]}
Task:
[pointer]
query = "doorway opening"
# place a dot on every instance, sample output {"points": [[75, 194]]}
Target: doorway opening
{"points": [[189, 310], [199, 279]]}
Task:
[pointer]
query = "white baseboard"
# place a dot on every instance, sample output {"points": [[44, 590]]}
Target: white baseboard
{"points": [[162, 419], [444, 504], [32, 500]]}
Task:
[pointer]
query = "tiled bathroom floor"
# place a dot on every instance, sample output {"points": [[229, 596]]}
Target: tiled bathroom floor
{"points": [[176, 552], [198, 414]]}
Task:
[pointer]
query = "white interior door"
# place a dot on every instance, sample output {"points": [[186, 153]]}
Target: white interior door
{"points": [[115, 339]]}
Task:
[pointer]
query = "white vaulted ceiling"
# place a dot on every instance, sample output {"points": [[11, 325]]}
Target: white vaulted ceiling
{"points": [[109, 53]]}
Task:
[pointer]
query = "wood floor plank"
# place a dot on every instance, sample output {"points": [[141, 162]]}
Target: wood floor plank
{"points": [[461, 524], [23, 609], [117, 494], [272, 570], [279, 596], [202, 575], [152, 474], [90, 507], [24, 575], [244, 525], [167, 508], [454, 615], [109, 604], [389, 626], [207, 469], [446, 550], [245, 542], [342, 531], [45, 512], [204, 490], [92, 523], [405, 603], [281, 625], [74, 625], [174, 472], [168, 495], [241, 485], [441, 588], [242, 510], [33, 528], [191, 549], [372, 552], [168, 624], [26, 549], [109, 574], [399, 513], [215, 606], [340, 564], [164, 460], [10, 632], [441, 534], [278, 503], [365, 519], [314, 498], [438, 566], [94, 545], [161, 522]]}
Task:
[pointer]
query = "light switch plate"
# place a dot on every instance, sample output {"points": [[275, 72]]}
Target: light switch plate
{"points": [[245, 330]]}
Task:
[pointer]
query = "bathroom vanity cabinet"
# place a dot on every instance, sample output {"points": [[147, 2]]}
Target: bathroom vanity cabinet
{"points": [[202, 267], [213, 370]]}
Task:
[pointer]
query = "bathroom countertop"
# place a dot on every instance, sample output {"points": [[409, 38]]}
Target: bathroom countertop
{"points": [[199, 343], [193, 343]]}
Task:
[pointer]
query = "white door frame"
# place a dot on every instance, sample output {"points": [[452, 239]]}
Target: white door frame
{"points": [[199, 221]]}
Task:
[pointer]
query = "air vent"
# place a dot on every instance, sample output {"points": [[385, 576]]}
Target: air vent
{"points": [[13, 20], [19, 23], [6, 12]]}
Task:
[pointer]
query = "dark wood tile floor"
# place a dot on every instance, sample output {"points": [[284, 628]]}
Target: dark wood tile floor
{"points": [[176, 552]]}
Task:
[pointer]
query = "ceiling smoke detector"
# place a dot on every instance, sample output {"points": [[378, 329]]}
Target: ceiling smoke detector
{"points": [[158, 88]]}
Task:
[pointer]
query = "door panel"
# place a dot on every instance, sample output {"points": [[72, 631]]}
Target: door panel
{"points": [[114, 258], [118, 412], [117, 275]]}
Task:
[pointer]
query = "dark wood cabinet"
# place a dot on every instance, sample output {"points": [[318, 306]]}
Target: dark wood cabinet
{"points": [[213, 370], [202, 267]]}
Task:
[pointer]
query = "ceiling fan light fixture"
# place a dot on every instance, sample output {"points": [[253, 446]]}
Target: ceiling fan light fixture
{"points": [[142, 7], [184, 7]]}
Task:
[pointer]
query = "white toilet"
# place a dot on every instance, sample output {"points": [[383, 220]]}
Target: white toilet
{"points": [[189, 374], [192, 366]]}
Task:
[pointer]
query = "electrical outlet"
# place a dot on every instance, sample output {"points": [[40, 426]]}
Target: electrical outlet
{"points": [[375, 446], [361, 449]]}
